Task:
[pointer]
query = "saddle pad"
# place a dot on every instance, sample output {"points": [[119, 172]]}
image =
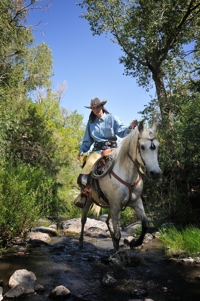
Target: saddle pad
{"points": [[98, 201]]}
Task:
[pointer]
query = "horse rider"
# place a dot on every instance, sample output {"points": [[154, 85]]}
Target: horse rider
{"points": [[103, 131]]}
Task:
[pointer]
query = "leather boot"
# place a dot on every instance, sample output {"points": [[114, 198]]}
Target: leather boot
{"points": [[81, 201]]}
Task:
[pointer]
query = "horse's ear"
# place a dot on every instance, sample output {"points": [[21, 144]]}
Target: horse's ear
{"points": [[154, 127], [141, 126]]}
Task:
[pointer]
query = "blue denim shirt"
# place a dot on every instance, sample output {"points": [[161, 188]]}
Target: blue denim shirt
{"points": [[107, 128]]}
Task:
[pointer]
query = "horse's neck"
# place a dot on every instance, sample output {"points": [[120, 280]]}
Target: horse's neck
{"points": [[128, 171]]}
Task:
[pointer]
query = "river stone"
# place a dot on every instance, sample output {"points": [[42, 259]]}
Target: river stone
{"points": [[19, 290], [108, 280], [131, 228], [24, 276], [96, 232], [60, 292], [74, 225], [38, 237], [49, 230]]}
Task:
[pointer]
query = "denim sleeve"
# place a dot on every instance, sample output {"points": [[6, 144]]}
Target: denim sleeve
{"points": [[120, 129], [87, 140]]}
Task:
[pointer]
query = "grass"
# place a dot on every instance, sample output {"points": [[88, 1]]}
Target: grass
{"points": [[181, 242]]}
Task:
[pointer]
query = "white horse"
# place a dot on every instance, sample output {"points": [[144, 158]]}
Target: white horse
{"points": [[122, 185]]}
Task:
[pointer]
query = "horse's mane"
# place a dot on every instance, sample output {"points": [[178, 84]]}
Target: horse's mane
{"points": [[128, 143]]}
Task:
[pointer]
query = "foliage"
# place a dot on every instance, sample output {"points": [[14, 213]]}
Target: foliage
{"points": [[24, 193], [181, 242], [127, 217], [160, 45], [151, 34], [39, 139]]}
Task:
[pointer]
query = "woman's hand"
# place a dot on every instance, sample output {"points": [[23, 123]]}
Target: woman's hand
{"points": [[133, 124], [79, 156]]}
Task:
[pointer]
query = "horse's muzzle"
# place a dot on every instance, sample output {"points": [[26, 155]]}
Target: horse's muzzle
{"points": [[155, 174]]}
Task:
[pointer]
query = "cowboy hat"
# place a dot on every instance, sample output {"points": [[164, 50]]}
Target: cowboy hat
{"points": [[95, 103]]}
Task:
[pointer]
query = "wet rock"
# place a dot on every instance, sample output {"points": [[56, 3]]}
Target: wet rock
{"points": [[74, 225], [36, 238], [19, 290], [108, 280], [96, 232], [102, 218], [23, 283], [139, 292], [48, 230], [126, 258], [22, 276], [148, 237], [197, 260], [187, 260], [60, 292], [54, 226], [131, 228]]}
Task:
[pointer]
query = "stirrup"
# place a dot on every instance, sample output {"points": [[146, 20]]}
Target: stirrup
{"points": [[80, 201]]}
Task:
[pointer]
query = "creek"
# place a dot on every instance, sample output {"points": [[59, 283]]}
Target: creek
{"points": [[93, 273]]}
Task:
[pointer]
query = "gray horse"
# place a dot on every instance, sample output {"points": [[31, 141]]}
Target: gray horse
{"points": [[122, 184]]}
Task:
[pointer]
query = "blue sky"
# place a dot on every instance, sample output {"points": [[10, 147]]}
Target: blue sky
{"points": [[88, 64]]}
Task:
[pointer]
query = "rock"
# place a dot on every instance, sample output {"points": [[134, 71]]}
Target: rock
{"points": [[131, 228], [126, 258], [148, 237], [49, 230], [24, 276], [187, 260], [73, 226], [108, 280], [22, 283], [19, 290], [60, 292], [36, 238], [96, 232]]}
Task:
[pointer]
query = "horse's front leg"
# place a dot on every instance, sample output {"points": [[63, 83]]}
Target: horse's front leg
{"points": [[84, 219], [139, 209], [113, 227]]}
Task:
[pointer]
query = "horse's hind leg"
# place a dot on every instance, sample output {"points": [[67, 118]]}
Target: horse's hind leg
{"points": [[83, 220], [113, 227], [139, 209]]}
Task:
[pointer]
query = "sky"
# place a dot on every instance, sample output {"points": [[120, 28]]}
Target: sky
{"points": [[89, 65]]}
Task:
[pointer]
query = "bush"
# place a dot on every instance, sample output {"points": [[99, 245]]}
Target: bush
{"points": [[26, 193]]}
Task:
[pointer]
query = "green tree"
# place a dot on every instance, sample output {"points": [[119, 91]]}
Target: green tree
{"points": [[151, 34]]}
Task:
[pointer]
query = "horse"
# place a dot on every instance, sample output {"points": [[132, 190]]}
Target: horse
{"points": [[122, 184]]}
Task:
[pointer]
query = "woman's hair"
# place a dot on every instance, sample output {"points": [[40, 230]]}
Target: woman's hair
{"points": [[93, 116]]}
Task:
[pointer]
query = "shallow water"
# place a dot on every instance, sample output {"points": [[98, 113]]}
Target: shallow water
{"points": [[62, 263]]}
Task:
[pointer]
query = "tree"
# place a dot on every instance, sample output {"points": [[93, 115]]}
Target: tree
{"points": [[152, 35]]}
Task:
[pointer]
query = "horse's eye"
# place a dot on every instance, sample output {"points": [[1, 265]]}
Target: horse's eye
{"points": [[142, 147]]}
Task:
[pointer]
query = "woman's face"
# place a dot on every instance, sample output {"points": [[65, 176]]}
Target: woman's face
{"points": [[98, 111]]}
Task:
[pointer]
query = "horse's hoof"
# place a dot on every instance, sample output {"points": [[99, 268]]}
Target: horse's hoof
{"points": [[135, 244]]}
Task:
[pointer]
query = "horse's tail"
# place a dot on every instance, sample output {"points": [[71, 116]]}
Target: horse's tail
{"points": [[95, 209]]}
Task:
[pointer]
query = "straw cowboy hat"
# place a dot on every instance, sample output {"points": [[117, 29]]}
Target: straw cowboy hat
{"points": [[95, 103]]}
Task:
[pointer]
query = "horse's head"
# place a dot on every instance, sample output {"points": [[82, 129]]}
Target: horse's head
{"points": [[148, 149]]}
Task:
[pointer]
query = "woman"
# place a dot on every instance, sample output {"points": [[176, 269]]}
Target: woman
{"points": [[103, 131]]}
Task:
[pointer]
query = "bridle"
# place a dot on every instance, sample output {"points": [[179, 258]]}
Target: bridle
{"points": [[152, 147]]}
